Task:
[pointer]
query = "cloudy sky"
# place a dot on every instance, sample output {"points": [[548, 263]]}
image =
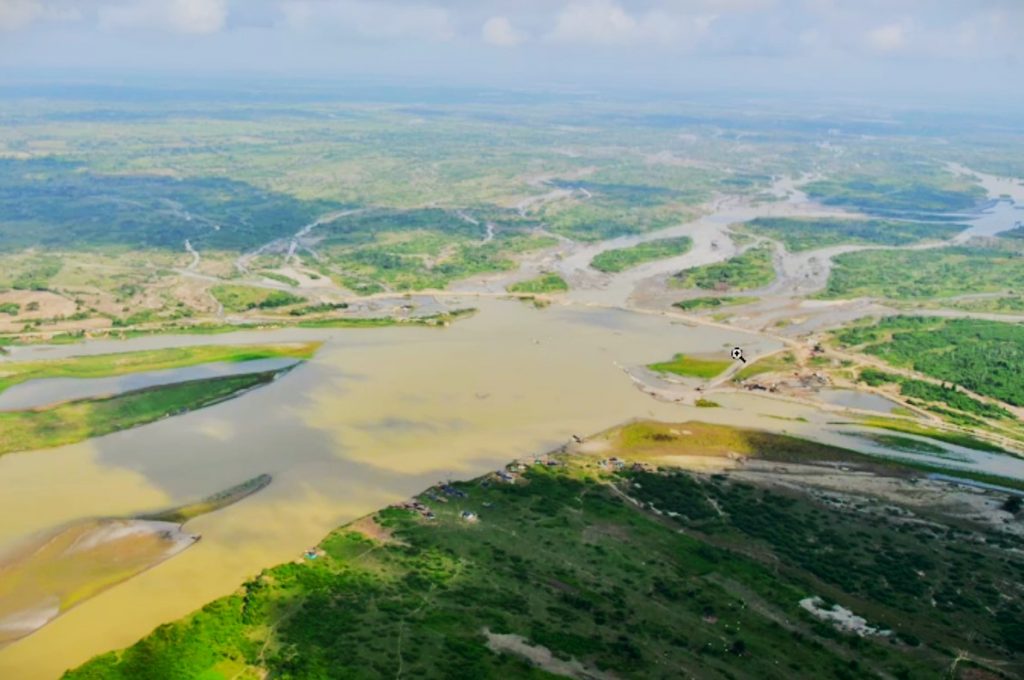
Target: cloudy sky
{"points": [[955, 47]]}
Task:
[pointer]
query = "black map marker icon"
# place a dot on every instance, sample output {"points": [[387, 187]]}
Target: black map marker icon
{"points": [[737, 354]]}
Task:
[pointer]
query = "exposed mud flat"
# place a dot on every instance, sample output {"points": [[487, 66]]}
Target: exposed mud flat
{"points": [[47, 576]]}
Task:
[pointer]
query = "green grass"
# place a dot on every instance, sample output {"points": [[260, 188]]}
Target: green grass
{"points": [[915, 275], [614, 261], [80, 420], [707, 403], [691, 367], [713, 302], [752, 269], [806, 233], [109, 365], [708, 586], [244, 298], [543, 284]]}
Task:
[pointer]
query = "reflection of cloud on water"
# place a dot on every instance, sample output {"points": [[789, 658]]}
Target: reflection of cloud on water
{"points": [[219, 429], [409, 426]]}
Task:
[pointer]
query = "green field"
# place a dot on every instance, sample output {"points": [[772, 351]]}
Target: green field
{"points": [[698, 576], [752, 269], [77, 421], [808, 233], [620, 259], [713, 302], [545, 283], [691, 367], [244, 298], [923, 274], [109, 365], [982, 356]]}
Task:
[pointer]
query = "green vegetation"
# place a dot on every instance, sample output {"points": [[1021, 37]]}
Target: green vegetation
{"points": [[244, 298], [439, 319], [280, 278], [701, 575], [982, 356], [43, 201], [11, 308], [217, 501], [807, 233], [924, 274], [930, 392], [996, 304], [713, 302], [707, 403], [923, 191], [691, 367], [545, 283], [614, 261], [108, 365], [77, 421], [752, 269]]}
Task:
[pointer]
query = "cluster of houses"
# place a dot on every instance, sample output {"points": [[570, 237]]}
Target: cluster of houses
{"points": [[419, 508], [616, 464]]}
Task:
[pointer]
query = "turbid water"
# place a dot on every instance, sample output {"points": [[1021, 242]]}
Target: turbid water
{"points": [[376, 416]]}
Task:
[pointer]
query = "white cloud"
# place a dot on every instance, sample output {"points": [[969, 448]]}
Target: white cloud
{"points": [[887, 38], [18, 14], [180, 16], [605, 22], [600, 22], [15, 14], [373, 19], [499, 31]]}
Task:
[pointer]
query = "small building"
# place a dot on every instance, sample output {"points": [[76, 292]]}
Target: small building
{"points": [[469, 516]]}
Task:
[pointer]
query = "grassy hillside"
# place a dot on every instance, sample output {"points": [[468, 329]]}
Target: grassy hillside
{"points": [[601, 568]]}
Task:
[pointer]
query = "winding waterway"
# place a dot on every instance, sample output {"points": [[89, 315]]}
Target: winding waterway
{"points": [[377, 415]]}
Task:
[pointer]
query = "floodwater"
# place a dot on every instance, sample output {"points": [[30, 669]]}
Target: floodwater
{"points": [[378, 415], [862, 401], [35, 393]]}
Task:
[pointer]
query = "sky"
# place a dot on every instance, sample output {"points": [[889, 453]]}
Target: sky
{"points": [[950, 48]]}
